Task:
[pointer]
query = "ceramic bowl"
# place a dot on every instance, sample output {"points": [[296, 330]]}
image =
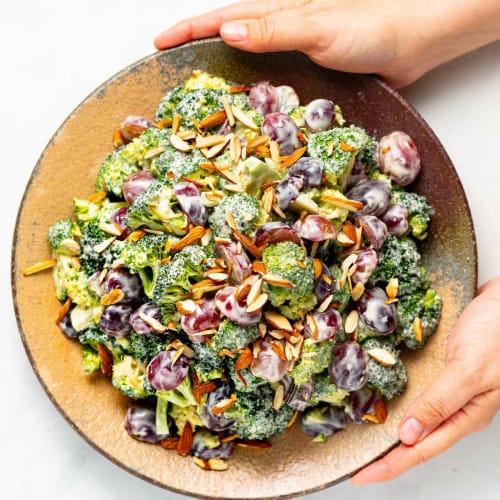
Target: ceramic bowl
{"points": [[67, 168]]}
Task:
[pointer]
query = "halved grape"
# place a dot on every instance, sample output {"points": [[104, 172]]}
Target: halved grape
{"points": [[315, 228], [309, 169], [201, 450], [324, 420], [130, 284], [138, 324], [287, 98], [374, 230], [319, 115], [264, 98], [365, 265], [297, 396], [376, 313], [234, 310], [324, 284], [348, 368], [328, 323], [235, 258], [166, 373], [191, 202], [274, 232], [136, 184], [374, 194], [133, 126], [118, 218], [360, 403], [268, 364], [115, 320], [140, 423], [216, 422], [287, 191], [282, 129], [396, 219], [66, 326], [205, 316]]}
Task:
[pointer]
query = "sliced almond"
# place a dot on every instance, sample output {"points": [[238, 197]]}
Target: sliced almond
{"points": [[187, 135], [253, 443], [136, 235], [272, 279], [258, 303], [274, 150], [325, 304], [169, 443], [244, 360], [176, 123], [279, 397], [279, 349], [262, 329], [242, 117], [344, 240], [318, 268], [259, 267], [113, 229], [63, 311], [208, 141], [382, 356], [200, 389], [153, 153], [186, 440], [153, 323], [218, 276], [113, 297], [247, 243], [223, 405], [255, 291], [343, 203], [195, 234], [278, 321], [418, 329], [330, 147], [348, 262], [97, 197], [228, 109], [234, 188], [213, 120], [166, 122], [346, 147], [217, 464], [260, 140], [312, 325], [368, 417], [201, 463], [292, 420], [288, 161], [235, 149], [40, 266], [392, 288], [380, 410], [351, 322], [180, 144], [268, 199], [104, 245], [357, 291]]}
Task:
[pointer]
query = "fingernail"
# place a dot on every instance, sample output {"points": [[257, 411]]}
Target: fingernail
{"points": [[411, 431], [234, 32]]}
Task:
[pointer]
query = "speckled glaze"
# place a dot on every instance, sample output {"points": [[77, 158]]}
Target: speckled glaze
{"points": [[67, 168]]}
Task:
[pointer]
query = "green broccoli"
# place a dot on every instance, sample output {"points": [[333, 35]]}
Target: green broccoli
{"points": [[86, 211], [63, 237], [419, 212], [255, 417], [391, 380], [157, 208], [144, 257], [169, 102], [325, 391], [208, 365], [346, 143], [247, 213], [146, 347], [315, 358], [256, 173], [182, 396], [245, 380], [130, 377], [128, 160], [198, 104], [91, 360], [368, 156], [91, 338], [288, 261], [425, 305], [233, 336], [183, 414], [400, 258], [341, 296], [173, 164], [176, 278]]}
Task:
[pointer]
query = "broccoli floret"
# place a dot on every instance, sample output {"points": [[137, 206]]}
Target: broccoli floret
{"points": [[63, 237], [315, 358], [176, 278], [247, 213], [146, 347], [368, 156], [207, 364], [347, 143], [157, 208], [255, 417], [425, 305], [390, 381], [419, 212], [256, 173], [86, 211], [198, 104], [94, 336], [173, 164], [182, 396], [130, 377], [341, 296], [128, 160], [144, 257], [400, 258], [183, 414], [325, 391], [233, 336], [169, 102], [85, 317], [244, 380], [91, 360], [288, 261]]}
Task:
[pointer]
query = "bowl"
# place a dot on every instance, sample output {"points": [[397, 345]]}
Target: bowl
{"points": [[67, 168]]}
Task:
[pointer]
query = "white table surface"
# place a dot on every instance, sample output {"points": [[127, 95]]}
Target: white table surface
{"points": [[54, 53]]}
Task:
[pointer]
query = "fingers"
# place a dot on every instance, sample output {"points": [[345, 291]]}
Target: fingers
{"points": [[208, 24], [473, 417]]}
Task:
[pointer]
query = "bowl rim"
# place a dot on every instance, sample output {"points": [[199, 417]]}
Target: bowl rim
{"points": [[131, 67]]}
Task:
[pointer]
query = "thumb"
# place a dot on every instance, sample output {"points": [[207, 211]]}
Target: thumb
{"points": [[280, 31], [449, 393]]}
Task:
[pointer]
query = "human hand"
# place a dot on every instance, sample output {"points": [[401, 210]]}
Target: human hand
{"points": [[399, 41], [463, 400]]}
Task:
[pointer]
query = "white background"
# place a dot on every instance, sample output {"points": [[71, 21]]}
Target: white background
{"points": [[53, 54]]}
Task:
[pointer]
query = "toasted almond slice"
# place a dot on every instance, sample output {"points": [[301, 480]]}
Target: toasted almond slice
{"points": [[218, 276], [244, 360], [292, 420], [63, 311], [228, 109], [217, 464], [234, 188], [247, 243], [117, 139], [278, 321], [279, 349], [255, 291], [277, 334], [228, 439], [195, 234], [272, 279], [350, 230], [222, 241], [268, 199], [259, 267], [278, 210], [200, 389], [325, 304], [330, 148], [262, 329], [176, 122], [418, 329], [113, 229], [279, 397], [213, 120], [187, 135], [312, 325], [230, 220], [314, 248], [260, 140], [243, 289], [242, 117], [223, 405], [274, 149], [218, 148], [208, 141], [343, 203], [392, 288], [186, 441], [180, 144], [309, 354], [382, 356], [153, 323], [113, 297], [346, 147], [169, 443], [368, 417], [380, 410], [258, 303], [166, 122], [351, 322], [153, 153], [106, 360], [349, 261], [97, 197], [318, 268], [104, 245], [344, 240], [235, 149], [40, 266], [357, 291], [136, 235], [201, 463], [289, 160]]}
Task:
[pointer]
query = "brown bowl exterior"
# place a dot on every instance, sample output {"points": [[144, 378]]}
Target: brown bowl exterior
{"points": [[67, 169]]}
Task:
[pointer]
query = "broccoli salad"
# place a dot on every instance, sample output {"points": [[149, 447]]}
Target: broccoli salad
{"points": [[247, 260]]}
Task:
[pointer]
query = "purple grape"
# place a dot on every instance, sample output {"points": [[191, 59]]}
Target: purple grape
{"points": [[348, 368], [201, 450], [315, 228], [138, 324], [228, 305], [268, 364], [396, 220], [357, 174], [165, 373], [325, 420], [134, 126], [191, 202], [287, 191], [297, 396], [130, 284], [377, 315], [115, 320], [360, 403], [282, 129], [329, 323], [274, 232], [287, 98], [118, 218], [140, 423], [324, 284], [319, 115], [309, 169], [264, 98], [374, 194], [374, 230], [205, 316], [136, 184], [365, 265], [399, 158], [233, 256], [216, 422], [66, 326]]}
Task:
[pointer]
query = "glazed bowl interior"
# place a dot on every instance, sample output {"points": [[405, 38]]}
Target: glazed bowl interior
{"points": [[67, 168]]}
